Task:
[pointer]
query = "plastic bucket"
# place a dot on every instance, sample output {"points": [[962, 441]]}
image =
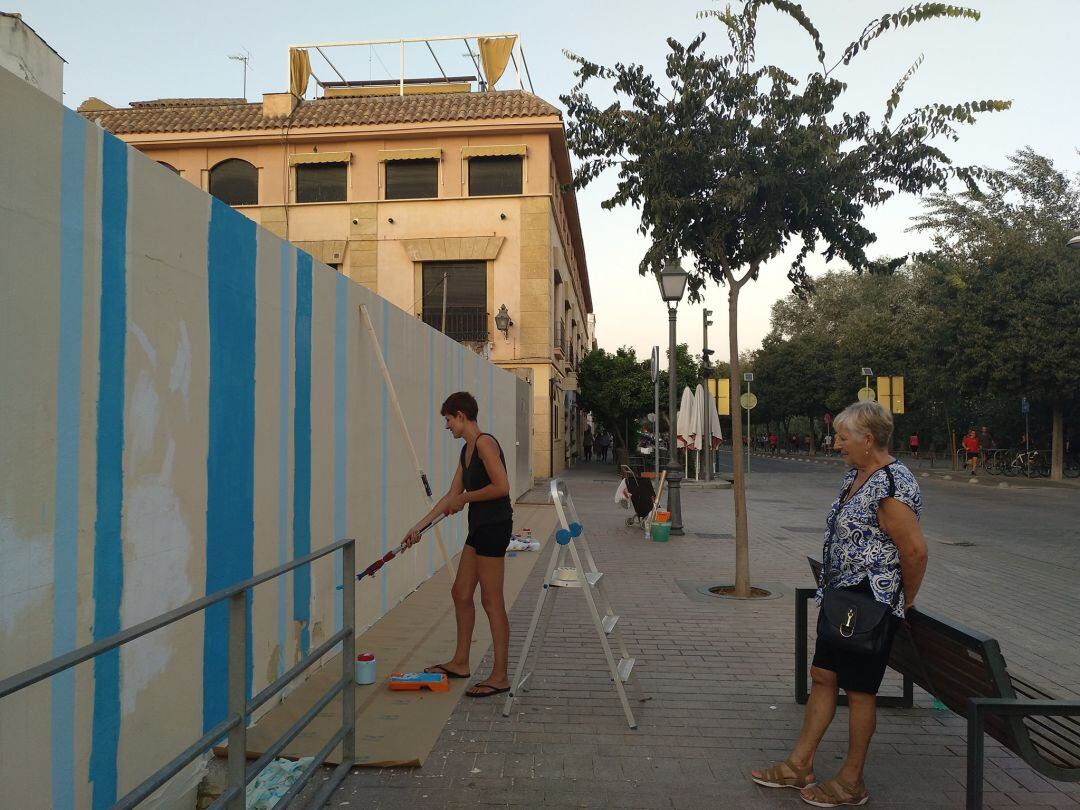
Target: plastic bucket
{"points": [[661, 532]]}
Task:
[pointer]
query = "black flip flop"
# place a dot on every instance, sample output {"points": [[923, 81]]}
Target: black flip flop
{"points": [[492, 690], [446, 672]]}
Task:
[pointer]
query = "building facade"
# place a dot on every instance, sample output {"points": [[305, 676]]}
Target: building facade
{"points": [[448, 202]]}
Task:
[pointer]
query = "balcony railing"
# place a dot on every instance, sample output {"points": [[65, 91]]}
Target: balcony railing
{"points": [[560, 337], [463, 324]]}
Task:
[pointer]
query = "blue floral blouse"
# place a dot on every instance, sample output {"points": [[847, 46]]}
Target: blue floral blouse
{"points": [[860, 548]]}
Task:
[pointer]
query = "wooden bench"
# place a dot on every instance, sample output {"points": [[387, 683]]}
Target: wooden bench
{"points": [[965, 670]]}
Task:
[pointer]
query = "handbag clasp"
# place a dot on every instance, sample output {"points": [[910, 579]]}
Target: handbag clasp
{"points": [[847, 629]]}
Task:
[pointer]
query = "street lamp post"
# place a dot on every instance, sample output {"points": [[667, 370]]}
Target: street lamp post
{"points": [[672, 286]]}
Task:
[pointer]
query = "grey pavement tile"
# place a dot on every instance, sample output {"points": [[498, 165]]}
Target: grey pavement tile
{"points": [[720, 672]]}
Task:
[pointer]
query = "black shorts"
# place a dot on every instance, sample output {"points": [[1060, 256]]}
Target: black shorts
{"points": [[970, 455], [856, 673], [491, 540]]}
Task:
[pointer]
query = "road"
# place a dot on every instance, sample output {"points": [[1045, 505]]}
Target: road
{"points": [[1005, 560]]}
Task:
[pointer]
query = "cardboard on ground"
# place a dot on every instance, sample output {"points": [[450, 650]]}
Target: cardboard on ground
{"points": [[401, 728]]}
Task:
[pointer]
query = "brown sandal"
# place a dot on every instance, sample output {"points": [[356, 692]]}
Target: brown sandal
{"points": [[773, 776], [825, 794]]}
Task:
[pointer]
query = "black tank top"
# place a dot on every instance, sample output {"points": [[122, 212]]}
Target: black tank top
{"points": [[475, 477]]}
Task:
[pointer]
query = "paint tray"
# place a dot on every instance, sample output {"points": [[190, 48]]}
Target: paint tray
{"points": [[435, 681]]}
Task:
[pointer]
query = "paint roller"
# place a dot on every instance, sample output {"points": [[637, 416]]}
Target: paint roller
{"points": [[372, 569]]}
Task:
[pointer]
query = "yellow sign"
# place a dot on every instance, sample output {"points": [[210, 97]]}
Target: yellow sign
{"points": [[890, 391], [721, 397], [748, 401], [866, 394]]}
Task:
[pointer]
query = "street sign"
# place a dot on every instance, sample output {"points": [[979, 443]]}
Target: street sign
{"points": [[828, 418], [748, 376], [654, 368], [867, 394], [748, 401], [1025, 406]]}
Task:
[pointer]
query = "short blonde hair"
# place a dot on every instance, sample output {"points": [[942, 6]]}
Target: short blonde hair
{"points": [[867, 418]]}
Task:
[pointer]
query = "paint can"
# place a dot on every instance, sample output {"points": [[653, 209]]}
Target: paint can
{"points": [[365, 668]]}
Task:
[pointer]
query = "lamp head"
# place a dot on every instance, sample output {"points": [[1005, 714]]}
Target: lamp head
{"points": [[503, 322], [673, 281]]}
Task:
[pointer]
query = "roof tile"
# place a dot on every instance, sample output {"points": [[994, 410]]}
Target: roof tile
{"points": [[223, 114]]}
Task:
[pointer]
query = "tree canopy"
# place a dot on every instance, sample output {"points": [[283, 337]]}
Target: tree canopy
{"points": [[730, 161]]}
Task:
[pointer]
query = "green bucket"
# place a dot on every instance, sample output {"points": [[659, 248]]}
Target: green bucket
{"points": [[661, 532]]}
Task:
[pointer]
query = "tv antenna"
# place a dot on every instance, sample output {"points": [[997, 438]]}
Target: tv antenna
{"points": [[246, 58]]}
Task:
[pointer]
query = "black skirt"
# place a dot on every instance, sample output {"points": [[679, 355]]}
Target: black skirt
{"points": [[856, 673]]}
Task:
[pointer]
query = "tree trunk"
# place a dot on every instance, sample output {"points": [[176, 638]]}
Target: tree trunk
{"points": [[1057, 446], [742, 534]]}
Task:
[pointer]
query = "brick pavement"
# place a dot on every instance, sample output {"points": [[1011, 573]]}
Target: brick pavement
{"points": [[719, 672]]}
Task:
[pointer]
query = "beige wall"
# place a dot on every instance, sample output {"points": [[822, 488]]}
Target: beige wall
{"points": [[142, 459]]}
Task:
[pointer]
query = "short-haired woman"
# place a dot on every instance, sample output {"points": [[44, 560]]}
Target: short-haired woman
{"points": [[873, 544], [482, 483]]}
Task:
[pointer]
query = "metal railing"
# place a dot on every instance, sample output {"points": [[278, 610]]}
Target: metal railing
{"points": [[240, 709], [560, 336], [463, 324]]}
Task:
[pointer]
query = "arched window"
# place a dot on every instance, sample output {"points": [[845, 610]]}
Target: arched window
{"points": [[169, 166], [235, 182]]}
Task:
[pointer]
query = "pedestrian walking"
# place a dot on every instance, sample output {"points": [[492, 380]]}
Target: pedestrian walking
{"points": [[774, 442], [605, 445], [481, 483], [913, 444], [587, 442], [971, 450], [875, 549]]}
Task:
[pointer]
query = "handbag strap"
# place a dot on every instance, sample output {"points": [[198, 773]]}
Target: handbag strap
{"points": [[832, 527]]}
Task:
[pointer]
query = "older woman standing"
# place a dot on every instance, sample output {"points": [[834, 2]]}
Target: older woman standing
{"points": [[874, 545]]}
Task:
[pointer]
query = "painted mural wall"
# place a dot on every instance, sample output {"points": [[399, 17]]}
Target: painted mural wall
{"points": [[186, 400]]}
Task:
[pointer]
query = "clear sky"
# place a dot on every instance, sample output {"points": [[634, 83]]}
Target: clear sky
{"points": [[121, 50]]}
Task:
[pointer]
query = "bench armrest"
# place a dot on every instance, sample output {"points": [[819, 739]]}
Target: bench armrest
{"points": [[978, 708]]}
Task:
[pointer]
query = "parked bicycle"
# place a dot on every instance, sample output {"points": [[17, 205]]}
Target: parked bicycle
{"points": [[1030, 463], [996, 459]]}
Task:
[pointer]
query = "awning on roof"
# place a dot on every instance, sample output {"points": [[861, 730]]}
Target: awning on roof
{"points": [[320, 157], [410, 154], [497, 150]]}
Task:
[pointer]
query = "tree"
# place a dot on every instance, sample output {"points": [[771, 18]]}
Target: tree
{"points": [[730, 163], [615, 388], [1009, 286]]}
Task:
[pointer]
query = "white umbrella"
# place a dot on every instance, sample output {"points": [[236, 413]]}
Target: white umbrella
{"points": [[683, 423], [697, 428], [714, 419]]}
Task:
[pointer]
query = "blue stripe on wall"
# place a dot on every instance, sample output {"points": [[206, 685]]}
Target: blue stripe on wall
{"points": [[283, 445], [341, 438], [65, 552], [302, 450], [230, 458], [432, 417], [108, 545], [383, 465]]}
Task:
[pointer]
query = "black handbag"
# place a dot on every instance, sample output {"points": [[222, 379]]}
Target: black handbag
{"points": [[853, 620]]}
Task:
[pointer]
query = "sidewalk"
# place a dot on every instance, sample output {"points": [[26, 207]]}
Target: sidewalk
{"points": [[720, 676]]}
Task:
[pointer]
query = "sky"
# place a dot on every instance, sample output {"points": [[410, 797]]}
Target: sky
{"points": [[121, 50]]}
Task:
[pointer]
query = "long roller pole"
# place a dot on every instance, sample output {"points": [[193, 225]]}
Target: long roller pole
{"points": [[404, 428]]}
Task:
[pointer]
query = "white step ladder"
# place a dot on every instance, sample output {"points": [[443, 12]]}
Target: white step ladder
{"points": [[559, 575]]}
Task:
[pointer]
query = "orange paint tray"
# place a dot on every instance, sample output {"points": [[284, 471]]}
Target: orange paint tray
{"points": [[435, 681]]}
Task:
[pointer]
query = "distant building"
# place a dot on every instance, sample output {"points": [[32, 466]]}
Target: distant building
{"points": [[30, 57], [445, 199]]}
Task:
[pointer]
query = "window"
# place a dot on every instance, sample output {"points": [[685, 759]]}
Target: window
{"points": [[412, 179], [494, 175], [321, 182], [235, 182], [466, 299]]}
